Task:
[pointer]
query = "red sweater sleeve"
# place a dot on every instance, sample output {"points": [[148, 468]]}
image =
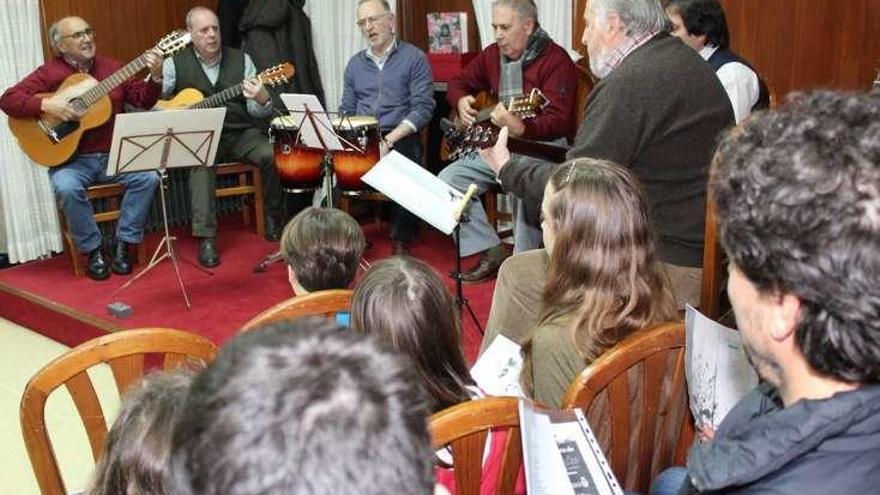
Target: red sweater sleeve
{"points": [[142, 94], [556, 76], [471, 80], [20, 101]]}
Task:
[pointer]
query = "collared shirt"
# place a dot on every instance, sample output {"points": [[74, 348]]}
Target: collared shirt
{"points": [[380, 59], [84, 67], [627, 47], [739, 81], [212, 72]]}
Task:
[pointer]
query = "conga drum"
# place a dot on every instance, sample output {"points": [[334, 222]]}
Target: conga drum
{"points": [[298, 167], [351, 164]]}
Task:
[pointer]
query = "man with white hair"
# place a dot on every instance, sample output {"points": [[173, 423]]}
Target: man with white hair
{"points": [[658, 109]]}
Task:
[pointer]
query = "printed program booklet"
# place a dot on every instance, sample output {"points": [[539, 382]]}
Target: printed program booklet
{"points": [[561, 454]]}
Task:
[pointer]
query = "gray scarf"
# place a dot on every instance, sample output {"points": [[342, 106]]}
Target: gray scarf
{"points": [[511, 83]]}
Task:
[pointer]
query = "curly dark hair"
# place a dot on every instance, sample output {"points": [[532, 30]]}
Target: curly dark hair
{"points": [[703, 17], [324, 247], [798, 196]]}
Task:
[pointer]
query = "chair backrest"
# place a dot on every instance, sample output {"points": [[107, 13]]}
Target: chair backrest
{"points": [[657, 436], [125, 353], [465, 427], [322, 303], [713, 266]]}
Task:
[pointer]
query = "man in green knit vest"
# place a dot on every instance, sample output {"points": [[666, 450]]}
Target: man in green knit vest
{"points": [[210, 68]]}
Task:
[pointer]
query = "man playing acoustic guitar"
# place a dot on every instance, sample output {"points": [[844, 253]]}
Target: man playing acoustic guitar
{"points": [[210, 68], [522, 58], [74, 43]]}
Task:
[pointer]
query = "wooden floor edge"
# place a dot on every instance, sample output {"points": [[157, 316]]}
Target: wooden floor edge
{"points": [[99, 323]]}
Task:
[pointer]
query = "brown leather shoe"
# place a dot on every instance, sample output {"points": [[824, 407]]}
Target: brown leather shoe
{"points": [[487, 268]]}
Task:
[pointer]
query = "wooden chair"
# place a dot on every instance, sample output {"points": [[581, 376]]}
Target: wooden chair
{"points": [[323, 303], [651, 363], [465, 428], [247, 183], [713, 266], [111, 193], [124, 352]]}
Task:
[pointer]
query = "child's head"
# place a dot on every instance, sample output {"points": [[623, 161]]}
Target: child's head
{"points": [[138, 445], [322, 247], [404, 304]]}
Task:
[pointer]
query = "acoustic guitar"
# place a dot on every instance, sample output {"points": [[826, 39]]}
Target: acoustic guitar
{"points": [[193, 99], [49, 141], [467, 141]]}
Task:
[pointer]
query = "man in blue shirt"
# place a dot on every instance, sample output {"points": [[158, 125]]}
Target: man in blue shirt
{"points": [[391, 81]]}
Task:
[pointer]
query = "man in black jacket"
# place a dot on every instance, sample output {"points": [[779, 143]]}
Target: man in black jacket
{"points": [[798, 195], [658, 109]]}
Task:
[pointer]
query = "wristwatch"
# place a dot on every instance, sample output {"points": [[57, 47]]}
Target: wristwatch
{"points": [[388, 144]]}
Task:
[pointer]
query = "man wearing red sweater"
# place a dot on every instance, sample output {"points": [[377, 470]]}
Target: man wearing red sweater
{"points": [[523, 57], [74, 43]]}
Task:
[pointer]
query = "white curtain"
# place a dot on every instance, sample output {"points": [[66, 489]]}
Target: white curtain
{"points": [[27, 203], [336, 38], [553, 15]]}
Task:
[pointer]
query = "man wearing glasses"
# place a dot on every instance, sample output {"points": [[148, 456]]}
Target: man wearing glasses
{"points": [[391, 81], [73, 41]]}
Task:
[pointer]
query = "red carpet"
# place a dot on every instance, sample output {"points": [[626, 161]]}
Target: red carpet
{"points": [[45, 296]]}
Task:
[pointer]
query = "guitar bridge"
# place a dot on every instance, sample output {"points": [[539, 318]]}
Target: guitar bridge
{"points": [[50, 132]]}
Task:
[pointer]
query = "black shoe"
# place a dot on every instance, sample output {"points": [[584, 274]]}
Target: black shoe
{"points": [[209, 257], [97, 269], [121, 264], [400, 248], [487, 268], [273, 229]]}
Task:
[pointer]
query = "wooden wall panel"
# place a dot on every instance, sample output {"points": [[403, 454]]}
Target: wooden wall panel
{"points": [[800, 44], [125, 28]]}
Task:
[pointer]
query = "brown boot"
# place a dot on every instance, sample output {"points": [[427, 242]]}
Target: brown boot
{"points": [[487, 268]]}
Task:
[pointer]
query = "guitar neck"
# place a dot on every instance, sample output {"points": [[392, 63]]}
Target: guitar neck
{"points": [[537, 149], [110, 83], [218, 99]]}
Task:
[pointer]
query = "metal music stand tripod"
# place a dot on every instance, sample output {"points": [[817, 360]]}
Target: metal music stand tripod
{"points": [[190, 138]]}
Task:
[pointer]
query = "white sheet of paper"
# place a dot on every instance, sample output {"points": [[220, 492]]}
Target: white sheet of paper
{"points": [[718, 371], [561, 454], [497, 369], [297, 105], [416, 189]]}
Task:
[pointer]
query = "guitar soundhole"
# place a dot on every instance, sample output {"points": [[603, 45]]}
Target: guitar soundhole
{"points": [[78, 104]]}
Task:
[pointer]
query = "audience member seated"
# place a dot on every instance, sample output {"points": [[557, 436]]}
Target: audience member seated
{"points": [[798, 195], [303, 407], [138, 445], [322, 247], [596, 281], [702, 26], [403, 304]]}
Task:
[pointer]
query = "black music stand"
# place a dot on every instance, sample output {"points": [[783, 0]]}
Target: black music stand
{"points": [[429, 198], [158, 141]]}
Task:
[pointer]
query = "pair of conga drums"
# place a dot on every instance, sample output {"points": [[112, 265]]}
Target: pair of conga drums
{"points": [[299, 167]]}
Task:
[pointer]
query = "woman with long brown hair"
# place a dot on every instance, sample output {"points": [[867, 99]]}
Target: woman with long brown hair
{"points": [[596, 281]]}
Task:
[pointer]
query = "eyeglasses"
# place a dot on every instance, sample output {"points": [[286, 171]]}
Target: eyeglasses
{"points": [[373, 19], [81, 34]]}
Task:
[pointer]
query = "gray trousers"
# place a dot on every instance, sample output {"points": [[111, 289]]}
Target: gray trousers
{"points": [[478, 234]]}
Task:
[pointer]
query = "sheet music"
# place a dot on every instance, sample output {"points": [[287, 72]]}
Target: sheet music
{"points": [[717, 369], [561, 454], [297, 105], [416, 189], [497, 369]]}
